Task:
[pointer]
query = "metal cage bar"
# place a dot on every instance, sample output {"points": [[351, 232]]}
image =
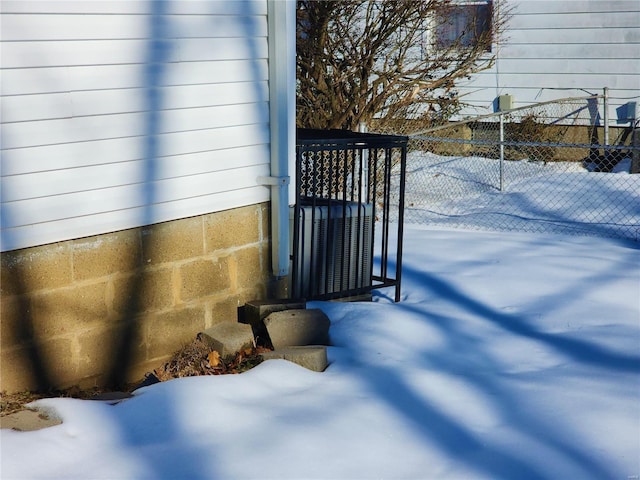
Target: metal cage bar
{"points": [[348, 188]]}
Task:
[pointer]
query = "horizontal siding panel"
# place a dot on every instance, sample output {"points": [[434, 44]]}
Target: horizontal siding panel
{"points": [[73, 104], [115, 52], [64, 54], [524, 7], [28, 81], [532, 79], [73, 155], [580, 20], [17, 27], [200, 141], [583, 66], [216, 71], [77, 6], [197, 50], [106, 176], [87, 96], [166, 167], [106, 102], [245, 25], [591, 83], [592, 51], [95, 224], [70, 155], [582, 36], [36, 107], [214, 7], [219, 7], [82, 129], [85, 203]]}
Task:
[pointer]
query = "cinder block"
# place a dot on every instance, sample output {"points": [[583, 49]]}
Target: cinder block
{"points": [[228, 338], [96, 354], [154, 288], [297, 328], [16, 372], [221, 308], [37, 268], [249, 267], [103, 255], [60, 357], [231, 228], [12, 314], [202, 278], [67, 310], [157, 289], [171, 330], [172, 241], [313, 357], [255, 311]]}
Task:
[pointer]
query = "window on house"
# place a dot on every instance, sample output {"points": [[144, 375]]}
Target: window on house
{"points": [[465, 25]]}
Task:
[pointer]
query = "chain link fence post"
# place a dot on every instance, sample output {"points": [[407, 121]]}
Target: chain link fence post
{"points": [[501, 152], [555, 166], [605, 113]]}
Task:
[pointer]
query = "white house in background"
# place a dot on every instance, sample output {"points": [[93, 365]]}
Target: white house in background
{"points": [[556, 49], [155, 133]]}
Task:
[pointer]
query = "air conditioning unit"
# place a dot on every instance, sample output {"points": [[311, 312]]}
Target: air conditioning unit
{"points": [[334, 248]]}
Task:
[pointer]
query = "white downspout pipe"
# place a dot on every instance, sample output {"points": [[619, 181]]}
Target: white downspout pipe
{"points": [[281, 17]]}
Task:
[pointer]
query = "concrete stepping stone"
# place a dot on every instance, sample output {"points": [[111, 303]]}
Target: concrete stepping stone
{"points": [[312, 357], [228, 338], [255, 311], [29, 420], [290, 328]]}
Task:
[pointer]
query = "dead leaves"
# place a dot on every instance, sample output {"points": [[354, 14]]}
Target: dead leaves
{"points": [[214, 359], [197, 358]]}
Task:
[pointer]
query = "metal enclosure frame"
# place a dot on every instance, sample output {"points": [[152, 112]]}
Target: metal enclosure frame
{"points": [[349, 189]]}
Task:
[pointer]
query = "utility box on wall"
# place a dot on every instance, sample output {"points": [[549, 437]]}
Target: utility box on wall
{"points": [[505, 102]]}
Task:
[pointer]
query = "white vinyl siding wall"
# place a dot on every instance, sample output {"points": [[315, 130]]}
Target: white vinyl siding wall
{"points": [[556, 49], [117, 114]]}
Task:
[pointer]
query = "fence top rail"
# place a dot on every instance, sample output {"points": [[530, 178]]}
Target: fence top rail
{"points": [[313, 137], [505, 112]]}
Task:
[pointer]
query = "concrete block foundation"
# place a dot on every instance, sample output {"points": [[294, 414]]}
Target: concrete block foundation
{"points": [[66, 306]]}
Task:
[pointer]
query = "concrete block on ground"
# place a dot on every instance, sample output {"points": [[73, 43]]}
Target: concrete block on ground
{"points": [[29, 420], [291, 328], [256, 311], [228, 338], [313, 357]]}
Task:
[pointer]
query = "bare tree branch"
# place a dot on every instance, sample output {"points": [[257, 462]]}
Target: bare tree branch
{"points": [[382, 60]]}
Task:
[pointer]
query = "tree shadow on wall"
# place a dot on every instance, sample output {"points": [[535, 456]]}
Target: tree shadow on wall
{"points": [[121, 346]]}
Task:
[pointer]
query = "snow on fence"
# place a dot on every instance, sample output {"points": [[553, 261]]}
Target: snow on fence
{"points": [[548, 167]]}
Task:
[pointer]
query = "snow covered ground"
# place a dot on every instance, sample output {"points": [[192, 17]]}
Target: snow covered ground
{"points": [[511, 356], [558, 197]]}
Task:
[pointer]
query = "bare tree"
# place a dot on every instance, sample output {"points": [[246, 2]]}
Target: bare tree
{"points": [[388, 61]]}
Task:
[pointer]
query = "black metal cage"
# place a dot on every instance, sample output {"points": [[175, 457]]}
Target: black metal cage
{"points": [[349, 193]]}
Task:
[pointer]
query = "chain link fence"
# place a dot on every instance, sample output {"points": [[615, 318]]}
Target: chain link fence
{"points": [[551, 167]]}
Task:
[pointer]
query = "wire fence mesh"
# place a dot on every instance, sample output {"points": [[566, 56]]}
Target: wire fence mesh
{"points": [[551, 167]]}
